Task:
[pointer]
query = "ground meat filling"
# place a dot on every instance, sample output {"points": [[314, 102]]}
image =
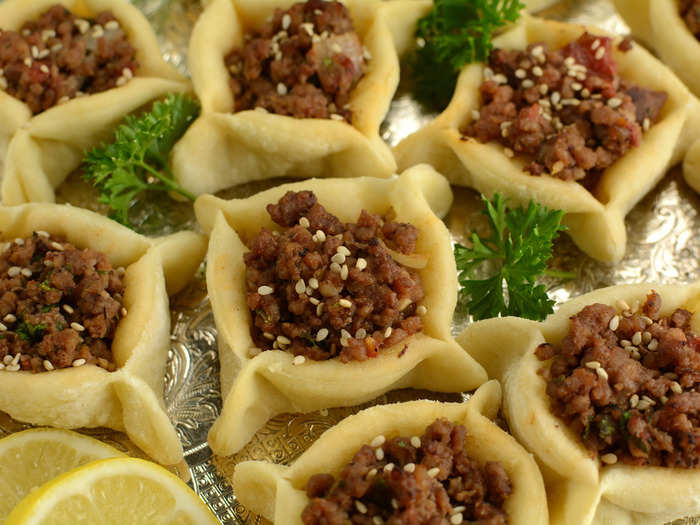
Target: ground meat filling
{"points": [[411, 480], [304, 63], [321, 288], [60, 56], [59, 306], [626, 383], [566, 111], [690, 11]]}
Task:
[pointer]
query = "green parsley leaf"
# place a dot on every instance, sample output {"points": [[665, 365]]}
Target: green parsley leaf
{"points": [[137, 160], [520, 246], [455, 33], [30, 332]]}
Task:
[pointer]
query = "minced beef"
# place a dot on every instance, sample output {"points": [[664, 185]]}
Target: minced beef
{"points": [[690, 11], [304, 62], [566, 111], [411, 481], [321, 288], [59, 306], [626, 383], [60, 56]]}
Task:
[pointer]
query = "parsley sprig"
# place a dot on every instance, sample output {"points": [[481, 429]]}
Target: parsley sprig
{"points": [[520, 246], [137, 160], [455, 33]]}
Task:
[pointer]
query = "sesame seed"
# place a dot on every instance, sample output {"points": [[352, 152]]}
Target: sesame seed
{"points": [[56, 47], [15, 359], [344, 271], [313, 283], [82, 25], [585, 93], [44, 68], [98, 31], [543, 89], [636, 355], [345, 303], [379, 454], [614, 323], [460, 508], [112, 25], [26, 272], [676, 388], [265, 290], [625, 342], [335, 116], [308, 27], [35, 52], [637, 338], [556, 97], [488, 73], [48, 365], [434, 472], [527, 83], [2, 327], [313, 300], [283, 340], [361, 333], [420, 42], [57, 246], [7, 360], [79, 362], [388, 467], [344, 334], [68, 308], [415, 442], [537, 50], [28, 62], [343, 250], [77, 327], [520, 73], [537, 71], [320, 236], [378, 441], [409, 467], [653, 344], [9, 318], [319, 309], [647, 320], [557, 166], [634, 400], [593, 364], [621, 305], [646, 337], [456, 519], [600, 53], [646, 124], [614, 102], [13, 368], [298, 360], [500, 78], [388, 331], [361, 507], [576, 86], [476, 115], [377, 520], [643, 405], [281, 89], [338, 258], [394, 503], [304, 222], [648, 400], [300, 287], [602, 373], [335, 267], [361, 263], [609, 459], [14, 271], [253, 351], [321, 334], [286, 21], [123, 311], [663, 400]]}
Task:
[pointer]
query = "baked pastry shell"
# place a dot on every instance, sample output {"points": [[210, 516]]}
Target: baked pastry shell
{"points": [[38, 152], [129, 399], [255, 389], [223, 149], [278, 492], [595, 221], [579, 489]]}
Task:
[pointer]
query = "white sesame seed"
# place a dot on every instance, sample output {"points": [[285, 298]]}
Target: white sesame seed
{"points": [[636, 355], [434, 472], [643, 405], [320, 236], [476, 115], [344, 334], [300, 287], [361, 263], [28, 62], [648, 400], [394, 503], [653, 344], [377, 520], [343, 250], [2, 327], [520, 73], [637, 338], [313, 300], [7, 359], [313, 283], [82, 25], [304, 222], [634, 400], [537, 50], [527, 83], [48, 365], [415, 442], [456, 519], [609, 459], [56, 47], [44, 68], [123, 311], [283, 340], [663, 400], [35, 52], [676, 388], [379, 454], [556, 97], [338, 258], [281, 89], [13, 368], [298, 360], [268, 335], [614, 323], [388, 467], [488, 73], [265, 290], [421, 310], [68, 308], [26, 272], [537, 71], [420, 42], [321, 334], [500, 79], [9, 318], [79, 362], [646, 337], [600, 53], [308, 27], [336, 116], [602, 373], [361, 507], [621, 305], [319, 309], [344, 272], [345, 303], [378, 441], [361, 333], [77, 327], [543, 89], [112, 25], [98, 31], [387, 332], [335, 267], [409, 467], [593, 364], [614, 102], [286, 21], [646, 124], [57, 246]]}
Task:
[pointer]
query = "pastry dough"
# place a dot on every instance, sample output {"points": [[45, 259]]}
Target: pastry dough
{"points": [[254, 390], [131, 398], [278, 492], [39, 152], [579, 490], [595, 221], [223, 149]]}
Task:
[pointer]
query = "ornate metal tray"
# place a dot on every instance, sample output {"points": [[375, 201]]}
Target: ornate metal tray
{"points": [[661, 248]]}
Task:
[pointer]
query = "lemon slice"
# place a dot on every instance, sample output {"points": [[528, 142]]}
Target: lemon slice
{"points": [[30, 458], [113, 491]]}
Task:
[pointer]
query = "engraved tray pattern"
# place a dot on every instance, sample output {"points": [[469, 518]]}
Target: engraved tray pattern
{"points": [[661, 248]]}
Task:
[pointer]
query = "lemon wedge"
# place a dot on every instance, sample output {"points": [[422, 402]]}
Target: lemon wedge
{"points": [[30, 458], [113, 491]]}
